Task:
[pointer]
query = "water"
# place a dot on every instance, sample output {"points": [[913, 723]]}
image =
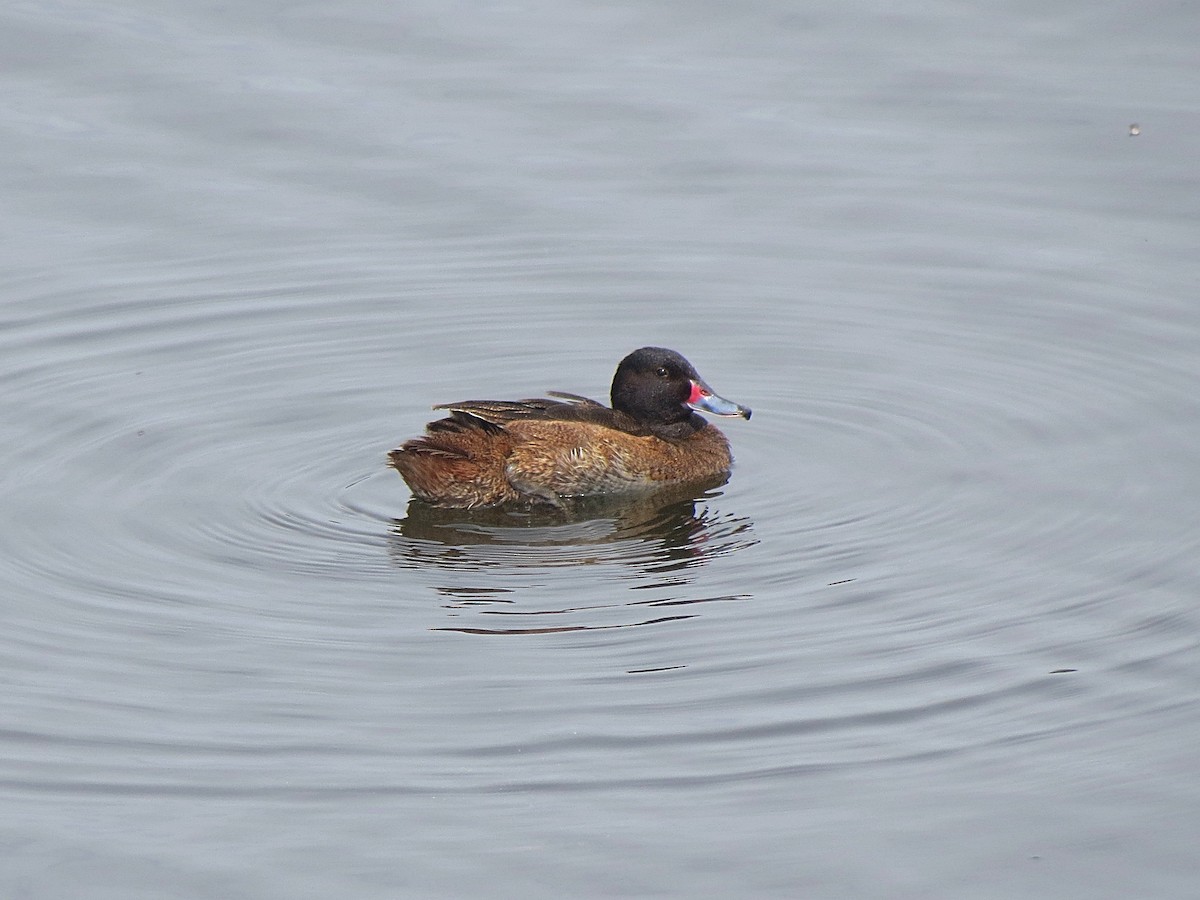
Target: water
{"points": [[937, 636]]}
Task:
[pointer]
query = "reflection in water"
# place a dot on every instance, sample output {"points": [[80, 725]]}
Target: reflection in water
{"points": [[644, 543], [669, 530]]}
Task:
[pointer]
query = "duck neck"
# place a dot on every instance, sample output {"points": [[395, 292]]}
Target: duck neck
{"points": [[679, 431]]}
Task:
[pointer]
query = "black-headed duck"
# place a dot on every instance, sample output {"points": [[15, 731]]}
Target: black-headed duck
{"points": [[492, 452]]}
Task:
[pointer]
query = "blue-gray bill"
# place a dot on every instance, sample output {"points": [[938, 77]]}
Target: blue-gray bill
{"points": [[704, 400]]}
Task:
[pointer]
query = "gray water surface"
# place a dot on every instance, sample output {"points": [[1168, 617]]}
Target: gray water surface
{"points": [[936, 638]]}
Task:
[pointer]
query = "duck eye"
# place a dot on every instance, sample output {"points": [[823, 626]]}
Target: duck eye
{"points": [[662, 372]]}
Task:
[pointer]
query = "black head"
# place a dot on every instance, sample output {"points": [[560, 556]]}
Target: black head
{"points": [[661, 390]]}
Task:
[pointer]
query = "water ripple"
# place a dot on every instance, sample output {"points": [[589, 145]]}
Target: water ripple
{"points": [[220, 442]]}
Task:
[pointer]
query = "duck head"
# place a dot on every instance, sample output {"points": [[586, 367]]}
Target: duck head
{"points": [[658, 387]]}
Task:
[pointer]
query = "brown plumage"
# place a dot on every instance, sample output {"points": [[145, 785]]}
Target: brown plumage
{"points": [[491, 452]]}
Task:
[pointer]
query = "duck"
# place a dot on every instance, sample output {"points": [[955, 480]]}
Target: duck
{"points": [[490, 453]]}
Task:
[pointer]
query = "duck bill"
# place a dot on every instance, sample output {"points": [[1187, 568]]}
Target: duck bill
{"points": [[703, 399]]}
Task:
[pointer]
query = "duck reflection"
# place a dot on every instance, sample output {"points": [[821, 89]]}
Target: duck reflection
{"points": [[667, 531], [525, 561]]}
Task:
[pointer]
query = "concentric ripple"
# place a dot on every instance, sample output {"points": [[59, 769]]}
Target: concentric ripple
{"points": [[204, 460]]}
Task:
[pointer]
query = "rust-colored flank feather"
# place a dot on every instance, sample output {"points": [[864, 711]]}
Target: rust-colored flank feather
{"points": [[542, 450]]}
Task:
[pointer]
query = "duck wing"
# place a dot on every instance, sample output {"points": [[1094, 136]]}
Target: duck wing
{"points": [[564, 408]]}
